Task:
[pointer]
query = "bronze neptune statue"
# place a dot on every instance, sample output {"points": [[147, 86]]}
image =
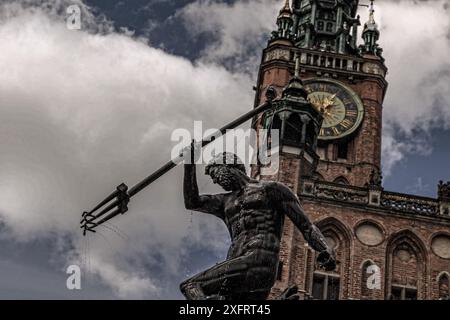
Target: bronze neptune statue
{"points": [[254, 212]]}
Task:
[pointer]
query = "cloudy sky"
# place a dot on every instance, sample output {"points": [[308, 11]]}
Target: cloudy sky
{"points": [[82, 111]]}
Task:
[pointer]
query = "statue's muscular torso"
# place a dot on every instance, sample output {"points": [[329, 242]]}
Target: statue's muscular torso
{"points": [[252, 220]]}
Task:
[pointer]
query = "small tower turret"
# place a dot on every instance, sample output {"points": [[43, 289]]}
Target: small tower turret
{"points": [[371, 35]]}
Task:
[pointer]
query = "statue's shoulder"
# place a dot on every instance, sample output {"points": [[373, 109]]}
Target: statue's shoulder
{"points": [[278, 190]]}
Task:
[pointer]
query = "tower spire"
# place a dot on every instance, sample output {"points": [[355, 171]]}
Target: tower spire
{"points": [[286, 9], [371, 34], [284, 23], [371, 14]]}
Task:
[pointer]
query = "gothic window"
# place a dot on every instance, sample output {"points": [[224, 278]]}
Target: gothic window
{"points": [[341, 180], [404, 272], [331, 284], [320, 25], [275, 125], [403, 293], [325, 287], [341, 151], [318, 176], [338, 63], [316, 60], [330, 60], [321, 152], [292, 130], [444, 291], [344, 64], [310, 134], [365, 290], [280, 270], [329, 27]]}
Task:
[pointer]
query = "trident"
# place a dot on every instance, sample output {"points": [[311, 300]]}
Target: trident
{"points": [[117, 202]]}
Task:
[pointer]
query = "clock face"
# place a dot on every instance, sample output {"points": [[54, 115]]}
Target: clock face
{"points": [[341, 108]]}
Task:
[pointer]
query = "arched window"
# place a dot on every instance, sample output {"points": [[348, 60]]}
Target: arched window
{"points": [[320, 25], [404, 273], [330, 285], [444, 291], [341, 151], [310, 133], [326, 285], [275, 125], [318, 176], [341, 180], [329, 27], [366, 291], [406, 268], [293, 129]]}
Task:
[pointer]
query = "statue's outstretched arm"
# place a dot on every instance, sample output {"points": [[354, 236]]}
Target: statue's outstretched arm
{"points": [[287, 202], [212, 204]]}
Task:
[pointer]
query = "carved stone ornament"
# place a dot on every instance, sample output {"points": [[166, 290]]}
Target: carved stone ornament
{"points": [[277, 54], [444, 191]]}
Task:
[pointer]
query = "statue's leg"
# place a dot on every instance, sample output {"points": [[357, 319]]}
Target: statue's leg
{"points": [[216, 280], [232, 277]]}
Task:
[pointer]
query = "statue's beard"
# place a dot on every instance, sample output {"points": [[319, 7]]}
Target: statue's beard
{"points": [[227, 181]]}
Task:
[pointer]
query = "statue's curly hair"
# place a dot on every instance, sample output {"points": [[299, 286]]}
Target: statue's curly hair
{"points": [[226, 159]]}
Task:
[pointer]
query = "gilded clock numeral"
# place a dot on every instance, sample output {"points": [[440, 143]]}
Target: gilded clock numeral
{"points": [[347, 101], [347, 124], [352, 113], [336, 131]]}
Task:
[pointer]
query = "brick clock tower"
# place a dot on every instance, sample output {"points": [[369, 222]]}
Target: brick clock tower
{"points": [[330, 93]]}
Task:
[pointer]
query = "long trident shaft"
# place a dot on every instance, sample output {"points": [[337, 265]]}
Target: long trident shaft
{"points": [[117, 202]]}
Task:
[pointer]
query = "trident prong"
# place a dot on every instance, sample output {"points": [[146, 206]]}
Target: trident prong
{"points": [[120, 200]]}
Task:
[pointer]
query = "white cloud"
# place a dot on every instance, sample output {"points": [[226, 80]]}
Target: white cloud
{"points": [[80, 112]]}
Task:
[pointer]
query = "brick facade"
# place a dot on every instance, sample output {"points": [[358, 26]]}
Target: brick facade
{"points": [[402, 238], [341, 222]]}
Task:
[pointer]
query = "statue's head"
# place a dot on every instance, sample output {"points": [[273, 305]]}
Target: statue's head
{"points": [[227, 170]]}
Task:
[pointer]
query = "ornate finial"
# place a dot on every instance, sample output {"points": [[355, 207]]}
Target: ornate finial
{"points": [[371, 14], [375, 179], [371, 24], [284, 23], [286, 10], [371, 34], [444, 191]]}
